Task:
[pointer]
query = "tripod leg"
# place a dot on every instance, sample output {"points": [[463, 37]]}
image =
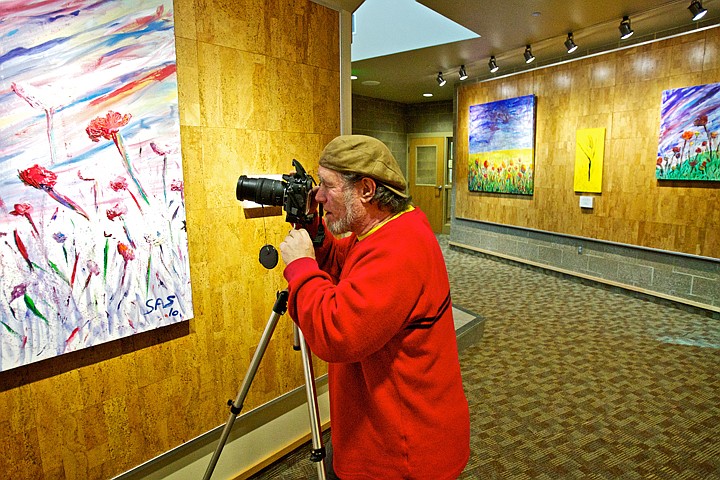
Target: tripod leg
{"points": [[235, 407], [317, 454]]}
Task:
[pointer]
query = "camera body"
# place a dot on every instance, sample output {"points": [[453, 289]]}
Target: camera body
{"points": [[292, 193]]}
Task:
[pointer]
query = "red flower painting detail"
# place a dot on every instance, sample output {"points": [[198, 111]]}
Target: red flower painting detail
{"points": [[108, 127], [45, 180], [24, 210], [127, 254], [39, 177], [121, 184]]}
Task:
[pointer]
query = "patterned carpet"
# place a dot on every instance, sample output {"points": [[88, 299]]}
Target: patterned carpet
{"points": [[577, 381]]}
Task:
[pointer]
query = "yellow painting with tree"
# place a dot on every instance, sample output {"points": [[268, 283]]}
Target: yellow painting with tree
{"points": [[589, 153]]}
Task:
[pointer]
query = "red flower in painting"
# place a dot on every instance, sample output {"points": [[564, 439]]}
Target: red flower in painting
{"points": [[177, 186], [118, 184], [117, 211], [107, 127], [45, 180], [126, 252], [22, 209], [701, 121], [121, 184], [39, 177]]}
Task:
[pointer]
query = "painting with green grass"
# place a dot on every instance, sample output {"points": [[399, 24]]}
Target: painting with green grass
{"points": [[689, 123], [502, 146]]}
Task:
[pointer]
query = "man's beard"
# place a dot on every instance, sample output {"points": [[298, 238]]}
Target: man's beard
{"points": [[345, 224]]}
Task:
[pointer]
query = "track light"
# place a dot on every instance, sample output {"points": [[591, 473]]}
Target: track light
{"points": [[441, 81], [493, 65], [570, 43], [697, 10], [463, 74], [625, 30], [529, 57]]}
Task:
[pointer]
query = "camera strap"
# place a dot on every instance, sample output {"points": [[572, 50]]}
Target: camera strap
{"points": [[320, 235]]}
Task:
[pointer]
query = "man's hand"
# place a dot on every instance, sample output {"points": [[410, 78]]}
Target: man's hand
{"points": [[313, 207], [296, 245]]}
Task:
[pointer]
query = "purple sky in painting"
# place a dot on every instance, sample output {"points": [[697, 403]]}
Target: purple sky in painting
{"points": [[502, 125], [679, 109]]}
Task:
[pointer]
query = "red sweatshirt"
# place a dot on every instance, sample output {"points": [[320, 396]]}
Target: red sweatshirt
{"points": [[379, 311]]}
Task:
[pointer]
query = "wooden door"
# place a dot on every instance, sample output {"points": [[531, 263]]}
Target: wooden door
{"points": [[426, 178]]}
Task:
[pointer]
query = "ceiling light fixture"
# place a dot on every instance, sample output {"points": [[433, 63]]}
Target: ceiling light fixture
{"points": [[570, 43], [697, 10], [441, 81], [463, 74], [493, 65], [529, 57], [625, 30]]}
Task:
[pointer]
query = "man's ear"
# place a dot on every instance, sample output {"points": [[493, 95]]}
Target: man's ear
{"points": [[366, 189]]}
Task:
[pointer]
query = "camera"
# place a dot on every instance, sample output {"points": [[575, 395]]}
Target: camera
{"points": [[292, 193]]}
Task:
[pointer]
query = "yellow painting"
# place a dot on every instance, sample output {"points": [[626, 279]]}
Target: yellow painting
{"points": [[589, 153]]}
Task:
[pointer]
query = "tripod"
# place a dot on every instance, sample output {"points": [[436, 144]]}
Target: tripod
{"points": [[317, 454]]}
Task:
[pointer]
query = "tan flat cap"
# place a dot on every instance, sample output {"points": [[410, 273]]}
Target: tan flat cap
{"points": [[366, 156]]}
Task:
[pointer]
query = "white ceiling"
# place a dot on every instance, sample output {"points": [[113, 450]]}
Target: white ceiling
{"points": [[505, 27]]}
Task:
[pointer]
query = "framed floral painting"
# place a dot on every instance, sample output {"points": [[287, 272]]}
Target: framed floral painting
{"points": [[92, 207], [689, 148], [502, 146]]}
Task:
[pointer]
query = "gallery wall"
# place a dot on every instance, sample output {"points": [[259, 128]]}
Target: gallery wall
{"points": [[621, 92], [258, 87]]}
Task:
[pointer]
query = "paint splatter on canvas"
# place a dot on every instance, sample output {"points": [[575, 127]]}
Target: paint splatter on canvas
{"points": [[92, 216], [502, 146], [689, 148]]}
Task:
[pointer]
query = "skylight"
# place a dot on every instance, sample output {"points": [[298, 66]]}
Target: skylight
{"points": [[382, 27]]}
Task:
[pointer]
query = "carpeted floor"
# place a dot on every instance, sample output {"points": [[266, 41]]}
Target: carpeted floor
{"points": [[574, 381]]}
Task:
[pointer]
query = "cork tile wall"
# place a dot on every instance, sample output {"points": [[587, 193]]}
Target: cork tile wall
{"points": [[620, 91]]}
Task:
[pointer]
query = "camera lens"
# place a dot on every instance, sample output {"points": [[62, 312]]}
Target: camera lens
{"points": [[263, 191]]}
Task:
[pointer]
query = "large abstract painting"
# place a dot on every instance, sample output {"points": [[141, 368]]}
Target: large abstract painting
{"points": [[689, 125], [502, 146], [93, 244]]}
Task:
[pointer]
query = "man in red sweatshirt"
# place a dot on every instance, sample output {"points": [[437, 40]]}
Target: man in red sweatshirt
{"points": [[375, 305]]}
